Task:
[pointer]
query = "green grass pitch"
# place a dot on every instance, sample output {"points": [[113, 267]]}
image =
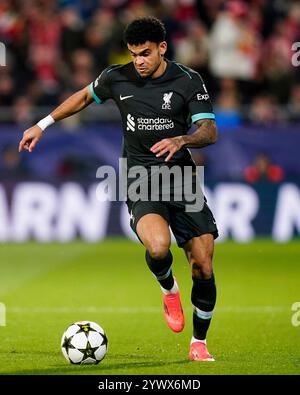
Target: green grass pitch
{"points": [[47, 287]]}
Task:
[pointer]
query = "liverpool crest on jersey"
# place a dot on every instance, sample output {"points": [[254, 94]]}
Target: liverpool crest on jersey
{"points": [[167, 101]]}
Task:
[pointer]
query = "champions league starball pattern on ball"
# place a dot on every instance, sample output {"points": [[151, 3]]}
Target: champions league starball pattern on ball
{"points": [[84, 342]]}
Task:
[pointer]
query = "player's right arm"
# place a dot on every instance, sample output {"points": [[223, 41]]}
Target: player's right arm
{"points": [[75, 103]]}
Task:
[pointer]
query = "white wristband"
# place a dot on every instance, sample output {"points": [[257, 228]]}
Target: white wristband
{"points": [[45, 122]]}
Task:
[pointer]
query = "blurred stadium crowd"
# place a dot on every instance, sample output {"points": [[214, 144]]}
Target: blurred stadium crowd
{"points": [[243, 50]]}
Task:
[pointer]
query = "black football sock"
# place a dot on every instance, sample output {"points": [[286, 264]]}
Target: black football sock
{"points": [[204, 296], [161, 268]]}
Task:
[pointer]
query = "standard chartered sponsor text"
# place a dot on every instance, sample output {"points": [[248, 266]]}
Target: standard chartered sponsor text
{"points": [[154, 123]]}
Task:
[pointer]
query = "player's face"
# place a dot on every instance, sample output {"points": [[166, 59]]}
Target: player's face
{"points": [[147, 57]]}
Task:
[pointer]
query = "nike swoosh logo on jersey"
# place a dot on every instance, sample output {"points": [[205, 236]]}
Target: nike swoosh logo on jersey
{"points": [[125, 97]]}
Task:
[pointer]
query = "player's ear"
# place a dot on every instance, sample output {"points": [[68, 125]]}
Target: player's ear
{"points": [[163, 47]]}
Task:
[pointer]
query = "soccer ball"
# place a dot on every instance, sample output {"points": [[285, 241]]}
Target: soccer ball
{"points": [[84, 342]]}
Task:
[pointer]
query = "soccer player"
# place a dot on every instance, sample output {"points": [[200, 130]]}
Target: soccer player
{"points": [[158, 100]]}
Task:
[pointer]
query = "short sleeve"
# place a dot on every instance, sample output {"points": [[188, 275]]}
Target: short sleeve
{"points": [[100, 88], [198, 100]]}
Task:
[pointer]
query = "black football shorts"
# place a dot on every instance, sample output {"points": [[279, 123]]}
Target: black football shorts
{"points": [[184, 225]]}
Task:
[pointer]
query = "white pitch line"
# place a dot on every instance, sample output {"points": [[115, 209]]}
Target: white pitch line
{"points": [[139, 310]]}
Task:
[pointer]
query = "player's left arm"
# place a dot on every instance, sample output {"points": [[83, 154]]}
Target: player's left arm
{"points": [[205, 134]]}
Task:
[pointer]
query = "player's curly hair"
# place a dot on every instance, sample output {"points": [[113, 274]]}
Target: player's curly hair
{"points": [[145, 29]]}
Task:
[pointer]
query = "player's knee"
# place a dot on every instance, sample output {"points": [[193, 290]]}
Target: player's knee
{"points": [[202, 268], [158, 250]]}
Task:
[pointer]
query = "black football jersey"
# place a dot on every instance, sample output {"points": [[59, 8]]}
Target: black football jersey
{"points": [[154, 108]]}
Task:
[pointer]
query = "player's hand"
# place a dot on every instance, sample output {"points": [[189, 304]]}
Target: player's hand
{"points": [[30, 138], [170, 145]]}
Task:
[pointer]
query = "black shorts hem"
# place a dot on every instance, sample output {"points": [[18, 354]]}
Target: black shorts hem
{"points": [[215, 234], [152, 208]]}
